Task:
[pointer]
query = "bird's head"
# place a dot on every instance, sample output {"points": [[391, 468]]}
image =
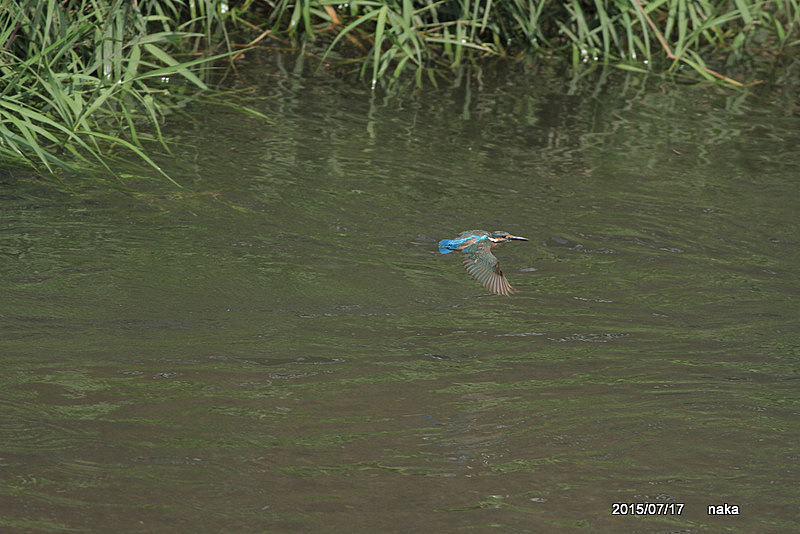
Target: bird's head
{"points": [[501, 237]]}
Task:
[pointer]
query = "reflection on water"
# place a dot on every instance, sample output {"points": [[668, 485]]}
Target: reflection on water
{"points": [[280, 347]]}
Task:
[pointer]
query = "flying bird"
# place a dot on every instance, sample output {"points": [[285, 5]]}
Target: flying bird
{"points": [[480, 263]]}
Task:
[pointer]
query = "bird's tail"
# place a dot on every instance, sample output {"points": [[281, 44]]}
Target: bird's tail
{"points": [[444, 246]]}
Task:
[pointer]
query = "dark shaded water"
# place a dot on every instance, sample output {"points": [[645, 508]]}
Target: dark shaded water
{"points": [[279, 346]]}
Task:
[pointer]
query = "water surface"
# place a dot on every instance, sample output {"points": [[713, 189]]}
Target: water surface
{"points": [[278, 346]]}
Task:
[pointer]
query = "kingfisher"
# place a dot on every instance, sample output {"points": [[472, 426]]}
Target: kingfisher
{"points": [[480, 263]]}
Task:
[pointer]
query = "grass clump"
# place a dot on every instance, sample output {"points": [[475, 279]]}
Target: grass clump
{"points": [[78, 78], [399, 34]]}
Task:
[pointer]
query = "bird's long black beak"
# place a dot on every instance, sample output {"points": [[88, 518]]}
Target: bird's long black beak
{"points": [[518, 238]]}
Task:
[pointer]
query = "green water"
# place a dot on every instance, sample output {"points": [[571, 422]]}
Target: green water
{"points": [[279, 346]]}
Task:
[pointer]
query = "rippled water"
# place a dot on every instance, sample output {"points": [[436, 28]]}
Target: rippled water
{"points": [[280, 347]]}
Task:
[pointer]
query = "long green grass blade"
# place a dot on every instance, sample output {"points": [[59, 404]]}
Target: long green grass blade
{"points": [[744, 11], [133, 148], [381, 24], [30, 139], [347, 29], [176, 66]]}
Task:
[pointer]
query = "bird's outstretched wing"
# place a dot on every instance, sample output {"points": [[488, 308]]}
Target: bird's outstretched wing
{"points": [[484, 267]]}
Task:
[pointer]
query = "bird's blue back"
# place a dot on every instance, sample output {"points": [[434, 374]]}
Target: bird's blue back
{"points": [[464, 242]]}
